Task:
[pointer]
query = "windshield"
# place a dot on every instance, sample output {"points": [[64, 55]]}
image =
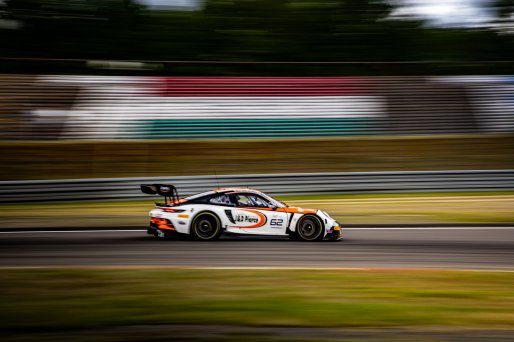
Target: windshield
{"points": [[275, 202]]}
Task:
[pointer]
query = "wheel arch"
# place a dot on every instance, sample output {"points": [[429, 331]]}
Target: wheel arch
{"points": [[317, 217], [201, 212]]}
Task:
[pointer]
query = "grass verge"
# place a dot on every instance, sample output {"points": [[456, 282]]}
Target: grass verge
{"points": [[443, 208], [63, 299]]}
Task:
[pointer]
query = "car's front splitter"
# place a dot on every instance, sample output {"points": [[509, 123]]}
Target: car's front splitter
{"points": [[334, 235]]}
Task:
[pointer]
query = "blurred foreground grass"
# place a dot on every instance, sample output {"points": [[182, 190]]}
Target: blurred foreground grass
{"points": [[437, 208], [56, 300], [97, 159]]}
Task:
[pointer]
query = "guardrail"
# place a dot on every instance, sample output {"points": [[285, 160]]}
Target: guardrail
{"points": [[276, 184]]}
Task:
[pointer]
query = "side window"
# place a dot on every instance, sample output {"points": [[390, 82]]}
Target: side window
{"points": [[243, 200], [250, 200], [259, 201], [220, 199]]}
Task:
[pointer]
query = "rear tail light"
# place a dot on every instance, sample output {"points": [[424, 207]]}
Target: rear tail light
{"points": [[171, 210], [161, 223]]}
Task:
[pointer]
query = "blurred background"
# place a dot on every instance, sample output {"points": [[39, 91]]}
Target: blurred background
{"points": [[99, 88], [110, 91], [390, 115]]}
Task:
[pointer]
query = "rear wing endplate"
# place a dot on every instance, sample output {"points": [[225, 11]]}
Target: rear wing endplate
{"points": [[169, 192]]}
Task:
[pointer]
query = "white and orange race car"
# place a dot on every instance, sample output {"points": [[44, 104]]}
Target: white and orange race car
{"points": [[208, 215]]}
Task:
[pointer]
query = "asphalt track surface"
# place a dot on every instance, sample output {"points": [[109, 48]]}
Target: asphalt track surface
{"points": [[489, 248]]}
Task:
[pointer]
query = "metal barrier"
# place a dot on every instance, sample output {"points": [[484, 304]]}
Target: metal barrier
{"points": [[276, 184]]}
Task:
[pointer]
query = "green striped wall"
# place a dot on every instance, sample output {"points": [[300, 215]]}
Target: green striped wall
{"points": [[255, 128]]}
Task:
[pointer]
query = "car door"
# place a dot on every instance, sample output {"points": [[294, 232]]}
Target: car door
{"points": [[255, 215]]}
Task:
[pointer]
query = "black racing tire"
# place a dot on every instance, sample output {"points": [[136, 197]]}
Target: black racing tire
{"points": [[309, 228], [206, 226]]}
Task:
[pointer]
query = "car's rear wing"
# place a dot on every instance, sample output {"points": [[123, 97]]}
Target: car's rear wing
{"points": [[169, 192]]}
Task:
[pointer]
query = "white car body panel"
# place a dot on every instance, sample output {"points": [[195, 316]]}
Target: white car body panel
{"points": [[245, 220]]}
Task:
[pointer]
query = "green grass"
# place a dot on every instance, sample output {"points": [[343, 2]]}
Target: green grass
{"points": [[443, 208], [391, 195], [61, 299]]}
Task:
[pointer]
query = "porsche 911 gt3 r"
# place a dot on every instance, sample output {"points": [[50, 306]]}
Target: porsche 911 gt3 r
{"points": [[208, 215]]}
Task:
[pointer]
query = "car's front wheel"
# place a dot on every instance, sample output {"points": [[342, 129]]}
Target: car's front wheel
{"points": [[206, 226], [309, 228]]}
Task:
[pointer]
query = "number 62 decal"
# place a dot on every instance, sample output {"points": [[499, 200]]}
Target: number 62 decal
{"points": [[276, 222]]}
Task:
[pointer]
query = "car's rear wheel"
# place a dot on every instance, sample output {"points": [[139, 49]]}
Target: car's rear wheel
{"points": [[309, 228], [206, 226]]}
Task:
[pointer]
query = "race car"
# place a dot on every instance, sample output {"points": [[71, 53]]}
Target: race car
{"points": [[208, 215]]}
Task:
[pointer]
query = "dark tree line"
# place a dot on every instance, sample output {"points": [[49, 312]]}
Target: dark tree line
{"points": [[252, 30]]}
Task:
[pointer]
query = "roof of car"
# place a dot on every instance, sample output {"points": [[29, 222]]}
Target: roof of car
{"points": [[237, 190]]}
